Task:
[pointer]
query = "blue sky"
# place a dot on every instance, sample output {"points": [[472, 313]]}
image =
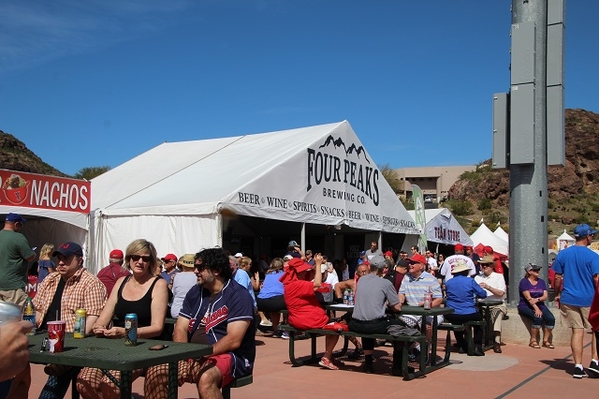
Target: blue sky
{"points": [[97, 82]]}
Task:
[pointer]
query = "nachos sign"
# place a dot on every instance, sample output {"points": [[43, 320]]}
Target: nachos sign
{"points": [[44, 192]]}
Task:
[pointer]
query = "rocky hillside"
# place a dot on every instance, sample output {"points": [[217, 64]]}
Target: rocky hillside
{"points": [[15, 155], [573, 188]]}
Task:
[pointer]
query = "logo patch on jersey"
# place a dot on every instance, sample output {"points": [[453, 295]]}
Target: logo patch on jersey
{"points": [[216, 317]]}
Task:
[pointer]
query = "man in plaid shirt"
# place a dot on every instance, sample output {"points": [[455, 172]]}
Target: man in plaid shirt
{"points": [[61, 293]]}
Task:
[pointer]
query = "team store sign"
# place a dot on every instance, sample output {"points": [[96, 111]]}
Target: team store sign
{"points": [[44, 192]]}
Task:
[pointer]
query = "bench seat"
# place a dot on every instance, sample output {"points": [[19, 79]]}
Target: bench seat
{"points": [[406, 371]]}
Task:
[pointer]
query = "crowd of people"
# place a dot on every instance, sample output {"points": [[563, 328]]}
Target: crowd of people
{"points": [[195, 288]]}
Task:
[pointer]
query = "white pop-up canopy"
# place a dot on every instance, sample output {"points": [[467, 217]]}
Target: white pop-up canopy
{"points": [[564, 241], [443, 228], [501, 233], [174, 194], [484, 236]]}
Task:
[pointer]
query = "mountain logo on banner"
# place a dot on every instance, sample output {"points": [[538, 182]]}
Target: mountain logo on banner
{"points": [[325, 167], [348, 151]]}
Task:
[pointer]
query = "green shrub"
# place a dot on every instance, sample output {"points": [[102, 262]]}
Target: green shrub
{"points": [[484, 204], [460, 208]]}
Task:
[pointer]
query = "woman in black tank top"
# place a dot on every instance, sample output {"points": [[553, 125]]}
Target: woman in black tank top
{"points": [[143, 292]]}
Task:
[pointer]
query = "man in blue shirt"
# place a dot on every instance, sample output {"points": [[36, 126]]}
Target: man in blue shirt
{"points": [[576, 275]]}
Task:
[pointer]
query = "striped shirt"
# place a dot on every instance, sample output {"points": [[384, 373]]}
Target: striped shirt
{"points": [[415, 288], [82, 291]]}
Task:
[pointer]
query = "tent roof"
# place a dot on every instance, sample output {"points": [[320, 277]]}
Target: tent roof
{"points": [[273, 175], [500, 232], [442, 227], [566, 237], [483, 235]]}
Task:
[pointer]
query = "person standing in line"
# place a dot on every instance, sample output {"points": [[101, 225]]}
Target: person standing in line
{"points": [[45, 265], [475, 258], [373, 251], [15, 252], [115, 270], [183, 282], [576, 276], [169, 263]]}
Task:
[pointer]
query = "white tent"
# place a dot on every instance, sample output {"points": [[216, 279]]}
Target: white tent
{"points": [[442, 227], [499, 232], [564, 241], [176, 194], [484, 236]]}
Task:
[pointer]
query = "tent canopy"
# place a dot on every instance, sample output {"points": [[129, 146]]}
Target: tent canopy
{"points": [[442, 227], [484, 236], [500, 232], [564, 241], [175, 193]]}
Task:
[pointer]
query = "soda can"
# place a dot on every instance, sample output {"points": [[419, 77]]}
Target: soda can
{"points": [[9, 312], [131, 329], [80, 319]]}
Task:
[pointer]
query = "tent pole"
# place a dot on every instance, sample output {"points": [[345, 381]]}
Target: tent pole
{"points": [[303, 238]]}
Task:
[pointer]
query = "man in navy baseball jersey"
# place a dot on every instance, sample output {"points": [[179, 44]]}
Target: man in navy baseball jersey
{"points": [[219, 312]]}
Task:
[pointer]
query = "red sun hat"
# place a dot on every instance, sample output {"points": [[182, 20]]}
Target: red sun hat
{"points": [[299, 265]]}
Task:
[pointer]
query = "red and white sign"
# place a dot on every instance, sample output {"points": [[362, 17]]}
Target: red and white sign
{"points": [[44, 192]]}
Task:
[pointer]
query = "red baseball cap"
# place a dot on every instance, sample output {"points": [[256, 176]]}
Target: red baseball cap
{"points": [[488, 249], [170, 257], [458, 247], [389, 253], [468, 248], [417, 258], [116, 254]]}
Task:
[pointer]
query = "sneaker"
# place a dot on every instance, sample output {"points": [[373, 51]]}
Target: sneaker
{"points": [[356, 354], [326, 363], [579, 372], [284, 335], [266, 323], [368, 368], [279, 334], [593, 369]]}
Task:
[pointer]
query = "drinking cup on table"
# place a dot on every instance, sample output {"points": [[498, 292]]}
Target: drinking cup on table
{"points": [[56, 333]]}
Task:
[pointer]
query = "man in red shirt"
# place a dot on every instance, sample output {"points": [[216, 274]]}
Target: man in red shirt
{"points": [[115, 270]]}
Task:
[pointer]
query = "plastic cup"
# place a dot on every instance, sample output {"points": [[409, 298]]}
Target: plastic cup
{"points": [[56, 333]]}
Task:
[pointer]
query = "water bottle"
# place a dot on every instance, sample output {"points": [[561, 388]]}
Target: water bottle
{"points": [[350, 298], [346, 297], [29, 314]]}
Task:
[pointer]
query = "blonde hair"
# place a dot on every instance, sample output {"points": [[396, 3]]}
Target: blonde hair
{"points": [[142, 246], [244, 262], [275, 265], [46, 251]]}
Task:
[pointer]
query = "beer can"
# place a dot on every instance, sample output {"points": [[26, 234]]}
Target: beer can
{"points": [[9, 312], [131, 329], [80, 319]]}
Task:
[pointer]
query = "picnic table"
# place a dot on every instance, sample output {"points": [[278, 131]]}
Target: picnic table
{"points": [[112, 354]]}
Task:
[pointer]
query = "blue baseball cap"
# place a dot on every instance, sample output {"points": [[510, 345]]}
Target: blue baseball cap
{"points": [[69, 248], [15, 217], [583, 230]]}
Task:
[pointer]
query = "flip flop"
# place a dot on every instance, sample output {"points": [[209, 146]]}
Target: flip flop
{"points": [[548, 345], [534, 345]]}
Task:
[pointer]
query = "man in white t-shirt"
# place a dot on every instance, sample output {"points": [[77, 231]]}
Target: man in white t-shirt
{"points": [[433, 267], [373, 251], [494, 284], [452, 261]]}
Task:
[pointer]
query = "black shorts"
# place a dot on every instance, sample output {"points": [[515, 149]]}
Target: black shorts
{"points": [[273, 304]]}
